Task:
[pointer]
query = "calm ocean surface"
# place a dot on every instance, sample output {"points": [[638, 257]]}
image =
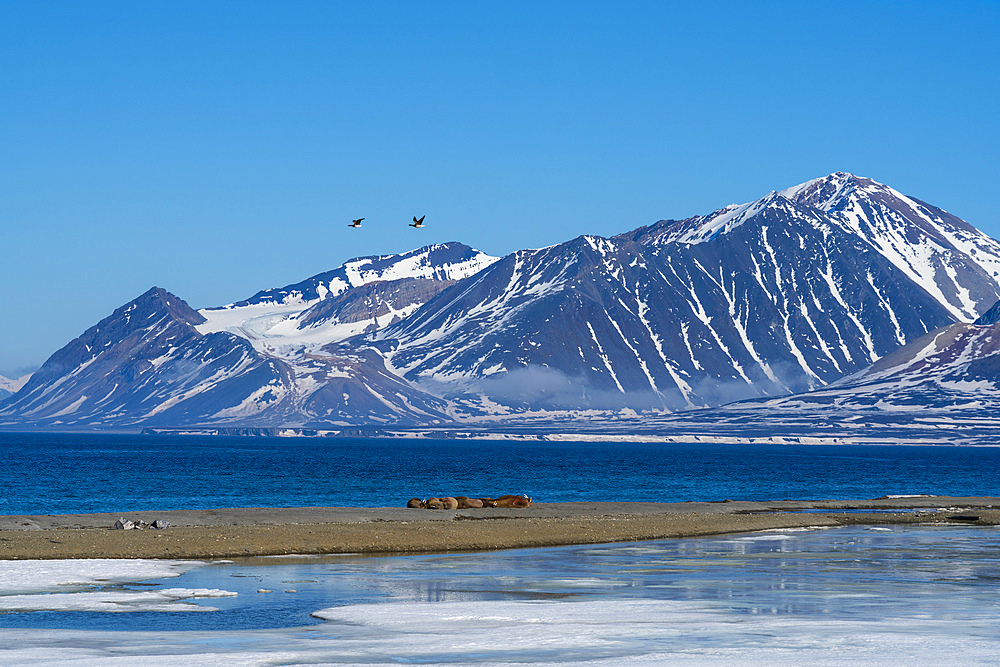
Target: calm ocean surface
{"points": [[45, 474], [874, 595]]}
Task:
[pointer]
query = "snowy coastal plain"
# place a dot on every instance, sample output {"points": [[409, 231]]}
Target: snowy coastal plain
{"points": [[866, 595]]}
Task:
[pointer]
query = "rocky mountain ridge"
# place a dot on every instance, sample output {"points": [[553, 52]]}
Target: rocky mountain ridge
{"points": [[794, 292], [765, 298]]}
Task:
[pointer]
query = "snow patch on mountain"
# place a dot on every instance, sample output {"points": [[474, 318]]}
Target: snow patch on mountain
{"points": [[943, 254], [278, 323], [442, 261], [9, 386], [954, 368]]}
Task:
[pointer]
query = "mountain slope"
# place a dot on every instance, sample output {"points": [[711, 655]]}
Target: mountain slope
{"points": [[954, 368], [767, 298], [146, 363], [785, 294]]}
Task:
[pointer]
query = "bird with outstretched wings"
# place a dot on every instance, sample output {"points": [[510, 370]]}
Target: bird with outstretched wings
{"points": [[356, 223], [418, 223]]}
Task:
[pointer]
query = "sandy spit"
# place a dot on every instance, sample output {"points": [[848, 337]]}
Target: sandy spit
{"points": [[227, 533]]}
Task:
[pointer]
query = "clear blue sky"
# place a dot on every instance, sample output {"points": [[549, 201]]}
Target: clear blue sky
{"points": [[219, 148]]}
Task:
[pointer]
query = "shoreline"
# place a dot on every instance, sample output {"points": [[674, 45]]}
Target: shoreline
{"points": [[869, 437], [241, 532]]}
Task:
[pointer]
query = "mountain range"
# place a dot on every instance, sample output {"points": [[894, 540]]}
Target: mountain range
{"points": [[838, 291]]}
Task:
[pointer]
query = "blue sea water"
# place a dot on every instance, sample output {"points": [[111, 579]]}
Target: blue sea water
{"points": [[70, 473]]}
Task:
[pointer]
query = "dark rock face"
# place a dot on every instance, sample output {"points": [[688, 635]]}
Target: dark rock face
{"points": [[373, 300], [991, 316]]}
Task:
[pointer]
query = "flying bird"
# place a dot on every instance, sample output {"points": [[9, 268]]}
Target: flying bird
{"points": [[356, 223], [418, 223]]}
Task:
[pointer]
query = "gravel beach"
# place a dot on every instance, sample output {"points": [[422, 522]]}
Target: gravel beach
{"points": [[226, 533]]}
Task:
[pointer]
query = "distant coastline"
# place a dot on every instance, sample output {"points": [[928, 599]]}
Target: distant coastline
{"points": [[527, 434], [735, 428]]}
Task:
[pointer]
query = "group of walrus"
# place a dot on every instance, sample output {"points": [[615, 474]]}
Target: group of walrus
{"points": [[464, 503]]}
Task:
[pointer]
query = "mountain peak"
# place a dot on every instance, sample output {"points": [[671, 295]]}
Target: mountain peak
{"points": [[157, 300], [142, 329], [153, 311], [947, 257], [834, 192], [950, 259], [826, 192]]}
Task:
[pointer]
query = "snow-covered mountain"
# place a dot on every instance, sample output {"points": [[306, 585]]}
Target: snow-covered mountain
{"points": [[143, 363], [265, 361], [950, 259], [363, 294], [786, 294], [954, 368], [947, 257], [8, 386], [303, 325], [780, 295]]}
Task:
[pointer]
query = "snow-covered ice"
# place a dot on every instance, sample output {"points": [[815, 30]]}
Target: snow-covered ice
{"points": [[50, 576], [96, 585], [863, 595]]}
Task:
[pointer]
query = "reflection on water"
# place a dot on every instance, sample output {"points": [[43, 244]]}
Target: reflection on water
{"points": [[846, 573], [918, 595]]}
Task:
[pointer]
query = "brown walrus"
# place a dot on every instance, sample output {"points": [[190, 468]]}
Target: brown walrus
{"points": [[465, 503], [450, 503], [434, 504], [415, 502], [507, 501]]}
